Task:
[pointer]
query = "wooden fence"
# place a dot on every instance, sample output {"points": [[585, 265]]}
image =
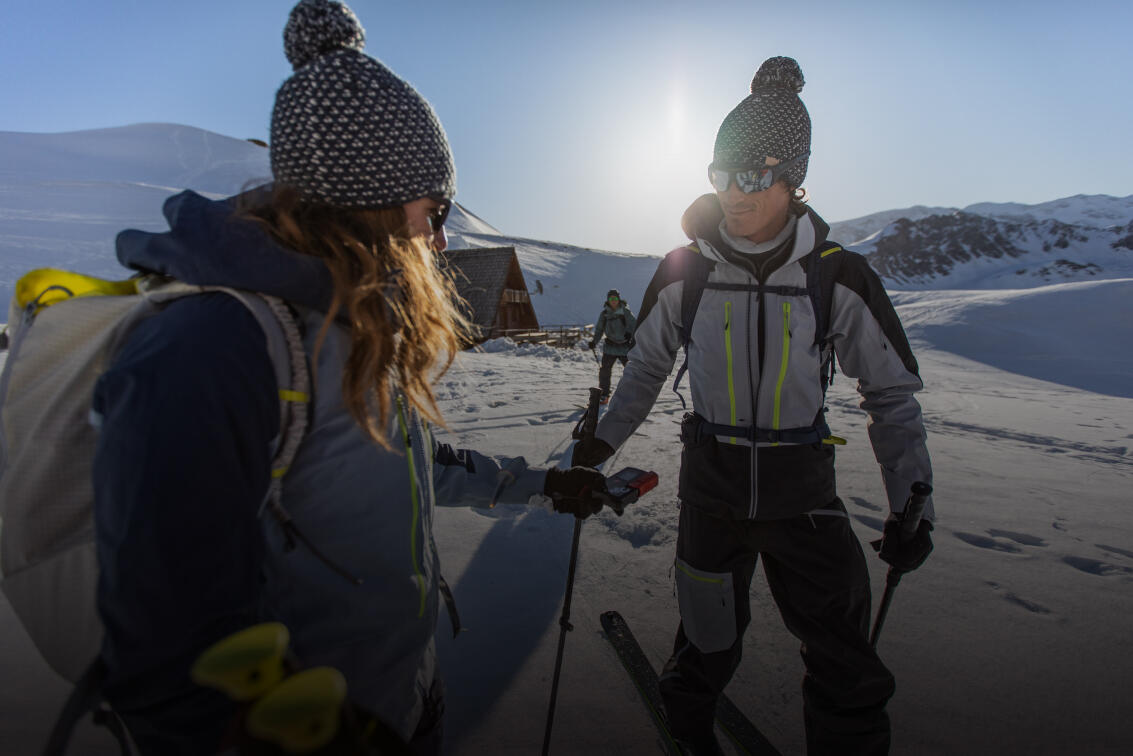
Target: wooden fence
{"points": [[562, 336]]}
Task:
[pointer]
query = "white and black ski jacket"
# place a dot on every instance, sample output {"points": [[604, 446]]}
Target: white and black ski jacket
{"points": [[753, 361]]}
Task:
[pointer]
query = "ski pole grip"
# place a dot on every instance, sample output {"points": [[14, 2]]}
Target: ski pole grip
{"points": [[914, 508]]}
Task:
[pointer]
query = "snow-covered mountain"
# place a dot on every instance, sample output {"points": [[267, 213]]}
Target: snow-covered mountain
{"points": [[962, 250], [997, 245], [64, 197]]}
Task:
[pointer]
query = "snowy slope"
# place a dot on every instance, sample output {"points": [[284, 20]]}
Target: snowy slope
{"points": [[64, 197], [965, 251], [1089, 210], [1013, 638]]}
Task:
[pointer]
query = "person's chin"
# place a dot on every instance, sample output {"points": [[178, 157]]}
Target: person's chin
{"points": [[740, 225]]}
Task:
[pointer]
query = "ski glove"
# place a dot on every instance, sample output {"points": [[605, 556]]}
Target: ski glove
{"points": [[591, 452], [592, 344], [579, 491], [905, 555]]}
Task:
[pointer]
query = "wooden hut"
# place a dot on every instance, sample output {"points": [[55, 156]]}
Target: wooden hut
{"points": [[490, 281]]}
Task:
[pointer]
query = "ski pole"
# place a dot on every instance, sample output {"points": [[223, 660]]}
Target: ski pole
{"points": [[583, 430], [910, 519]]}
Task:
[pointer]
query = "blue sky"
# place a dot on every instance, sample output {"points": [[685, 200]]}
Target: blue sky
{"points": [[592, 122]]}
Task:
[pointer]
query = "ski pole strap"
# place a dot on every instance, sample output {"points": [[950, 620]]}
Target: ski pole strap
{"points": [[695, 429]]}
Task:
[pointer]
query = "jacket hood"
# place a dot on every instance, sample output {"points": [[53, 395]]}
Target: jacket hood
{"points": [[208, 245], [701, 221]]}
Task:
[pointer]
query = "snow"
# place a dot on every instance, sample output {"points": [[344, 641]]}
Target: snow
{"points": [[1013, 638]]}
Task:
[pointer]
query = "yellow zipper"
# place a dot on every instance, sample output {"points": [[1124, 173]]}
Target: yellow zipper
{"points": [[782, 366], [415, 499], [728, 352]]}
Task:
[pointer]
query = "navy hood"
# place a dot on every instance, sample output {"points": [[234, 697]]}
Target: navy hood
{"points": [[208, 245]]}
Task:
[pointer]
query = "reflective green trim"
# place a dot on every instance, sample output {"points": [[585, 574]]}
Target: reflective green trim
{"points": [[731, 362], [782, 366], [830, 252], [701, 578], [416, 504]]}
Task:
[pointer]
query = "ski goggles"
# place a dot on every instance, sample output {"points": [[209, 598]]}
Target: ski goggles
{"points": [[439, 215], [750, 180]]}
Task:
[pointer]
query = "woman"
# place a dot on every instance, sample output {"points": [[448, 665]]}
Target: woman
{"points": [[189, 414]]}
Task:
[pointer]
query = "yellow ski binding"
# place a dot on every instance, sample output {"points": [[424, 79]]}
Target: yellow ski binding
{"points": [[301, 714], [245, 665]]}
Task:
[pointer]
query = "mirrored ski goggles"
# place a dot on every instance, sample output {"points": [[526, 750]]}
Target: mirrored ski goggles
{"points": [[750, 180], [439, 214]]}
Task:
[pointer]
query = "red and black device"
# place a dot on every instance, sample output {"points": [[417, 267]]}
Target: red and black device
{"points": [[628, 485]]}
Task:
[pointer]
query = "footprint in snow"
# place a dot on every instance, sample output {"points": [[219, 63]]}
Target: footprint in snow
{"points": [[1115, 550], [496, 403], [984, 542], [1023, 538], [1094, 567], [1010, 597]]}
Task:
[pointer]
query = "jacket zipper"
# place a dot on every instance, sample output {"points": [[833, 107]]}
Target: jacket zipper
{"points": [[731, 363], [415, 499], [782, 367]]}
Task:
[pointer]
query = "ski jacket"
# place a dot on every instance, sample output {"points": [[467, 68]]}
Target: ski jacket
{"points": [[188, 418], [617, 326], [753, 361]]}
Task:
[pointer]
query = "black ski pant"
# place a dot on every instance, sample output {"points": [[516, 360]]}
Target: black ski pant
{"points": [[607, 368], [818, 577]]}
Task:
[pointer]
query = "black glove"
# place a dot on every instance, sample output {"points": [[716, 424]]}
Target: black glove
{"points": [[592, 343], [579, 491], [905, 555], [590, 453]]}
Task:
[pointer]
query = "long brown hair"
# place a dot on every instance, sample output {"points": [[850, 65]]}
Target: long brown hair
{"points": [[402, 310]]}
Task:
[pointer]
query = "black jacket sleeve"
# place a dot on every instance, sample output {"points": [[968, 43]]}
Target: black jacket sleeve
{"points": [[188, 411]]}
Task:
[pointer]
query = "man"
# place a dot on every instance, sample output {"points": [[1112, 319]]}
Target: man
{"points": [[616, 322], [757, 469]]}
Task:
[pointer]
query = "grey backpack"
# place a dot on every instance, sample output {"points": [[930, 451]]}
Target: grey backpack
{"points": [[65, 330]]}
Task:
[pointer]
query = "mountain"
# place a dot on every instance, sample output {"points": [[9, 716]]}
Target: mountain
{"points": [[858, 230], [963, 250], [997, 245], [64, 197]]}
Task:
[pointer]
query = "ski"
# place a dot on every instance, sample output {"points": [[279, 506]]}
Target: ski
{"points": [[643, 675], [744, 735]]}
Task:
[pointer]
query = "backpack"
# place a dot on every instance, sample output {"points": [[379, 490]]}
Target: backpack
{"points": [[819, 289], [65, 331]]}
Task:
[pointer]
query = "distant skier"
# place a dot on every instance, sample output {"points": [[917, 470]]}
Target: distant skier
{"points": [[757, 475], [617, 324]]}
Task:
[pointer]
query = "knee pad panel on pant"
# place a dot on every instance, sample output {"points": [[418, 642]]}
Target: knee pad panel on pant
{"points": [[707, 603]]}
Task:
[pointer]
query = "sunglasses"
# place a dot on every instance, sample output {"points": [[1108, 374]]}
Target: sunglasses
{"points": [[750, 180], [439, 214]]}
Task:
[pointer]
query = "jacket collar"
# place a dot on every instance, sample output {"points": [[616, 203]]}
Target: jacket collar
{"points": [[701, 223], [207, 244]]}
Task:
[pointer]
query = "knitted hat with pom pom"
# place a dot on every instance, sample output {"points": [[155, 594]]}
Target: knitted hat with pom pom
{"points": [[345, 130], [771, 122]]}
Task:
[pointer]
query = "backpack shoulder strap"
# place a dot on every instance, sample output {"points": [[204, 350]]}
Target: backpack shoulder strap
{"points": [[696, 271], [289, 360], [821, 268]]}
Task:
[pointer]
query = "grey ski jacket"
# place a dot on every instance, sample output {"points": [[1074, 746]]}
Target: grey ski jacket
{"points": [[752, 360], [617, 326]]}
